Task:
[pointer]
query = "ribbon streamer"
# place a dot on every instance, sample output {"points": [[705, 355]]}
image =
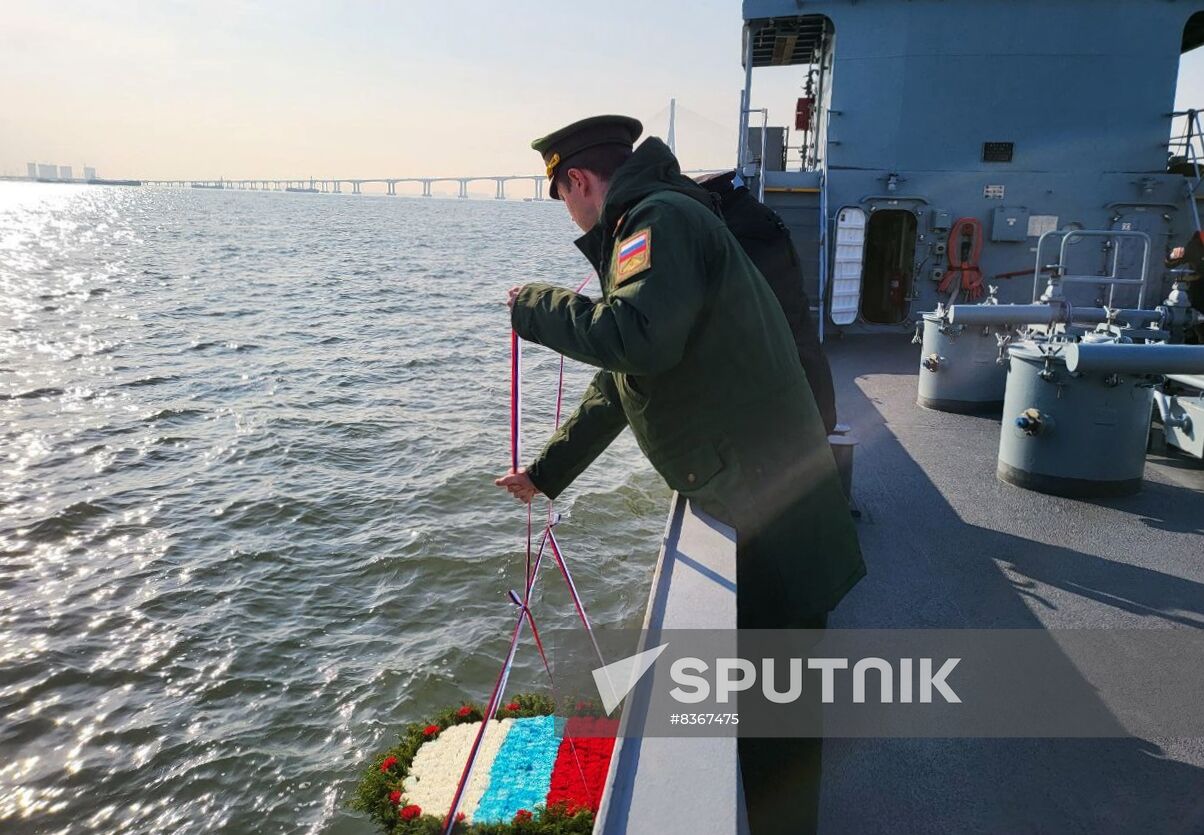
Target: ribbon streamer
{"points": [[516, 400], [499, 687], [532, 574], [580, 606]]}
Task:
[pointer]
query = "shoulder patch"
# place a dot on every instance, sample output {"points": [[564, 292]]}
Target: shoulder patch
{"points": [[633, 255]]}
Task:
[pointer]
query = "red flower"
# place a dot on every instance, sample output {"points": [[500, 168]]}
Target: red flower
{"points": [[408, 813], [388, 763], [430, 731], [522, 816], [464, 712], [461, 817], [589, 755], [514, 706], [395, 796]]}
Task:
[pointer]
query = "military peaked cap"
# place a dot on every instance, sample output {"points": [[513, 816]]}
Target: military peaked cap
{"points": [[559, 146]]}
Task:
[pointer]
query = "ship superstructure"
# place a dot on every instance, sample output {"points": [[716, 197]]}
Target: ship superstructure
{"points": [[1026, 117]]}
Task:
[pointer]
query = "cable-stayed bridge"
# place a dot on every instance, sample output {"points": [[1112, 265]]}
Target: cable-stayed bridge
{"points": [[355, 185], [708, 140]]}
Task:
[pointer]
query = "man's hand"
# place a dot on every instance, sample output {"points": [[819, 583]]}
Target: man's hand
{"points": [[511, 295], [519, 485]]}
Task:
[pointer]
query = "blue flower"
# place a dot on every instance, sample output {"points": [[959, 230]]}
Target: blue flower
{"points": [[522, 770]]}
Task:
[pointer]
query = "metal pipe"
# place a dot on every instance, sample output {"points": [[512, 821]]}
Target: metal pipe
{"points": [[1038, 268], [823, 119], [745, 99], [1135, 359], [1095, 315], [740, 138], [1099, 279], [823, 248], [760, 175], [819, 115], [1046, 314], [1007, 314], [764, 137]]}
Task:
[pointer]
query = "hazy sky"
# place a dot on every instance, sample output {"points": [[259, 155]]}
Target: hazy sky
{"points": [[278, 89], [219, 88]]}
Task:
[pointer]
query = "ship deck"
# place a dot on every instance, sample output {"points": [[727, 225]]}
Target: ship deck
{"points": [[948, 545]]}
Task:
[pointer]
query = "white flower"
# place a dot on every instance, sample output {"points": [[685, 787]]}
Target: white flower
{"points": [[438, 764]]}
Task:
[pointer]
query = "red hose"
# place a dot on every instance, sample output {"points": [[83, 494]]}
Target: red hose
{"points": [[965, 247]]}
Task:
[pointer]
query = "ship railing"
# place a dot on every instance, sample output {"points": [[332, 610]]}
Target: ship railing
{"points": [[1190, 146], [1057, 271], [754, 168], [678, 784], [823, 250], [742, 163]]}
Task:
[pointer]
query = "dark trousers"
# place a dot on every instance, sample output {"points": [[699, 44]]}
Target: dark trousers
{"points": [[781, 776]]}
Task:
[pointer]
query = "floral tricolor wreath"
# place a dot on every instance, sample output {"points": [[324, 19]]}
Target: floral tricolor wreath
{"points": [[528, 780]]}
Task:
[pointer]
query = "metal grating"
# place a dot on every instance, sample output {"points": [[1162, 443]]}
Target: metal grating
{"points": [[778, 42]]}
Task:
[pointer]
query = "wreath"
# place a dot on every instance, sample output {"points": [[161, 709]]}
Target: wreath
{"points": [[529, 779]]}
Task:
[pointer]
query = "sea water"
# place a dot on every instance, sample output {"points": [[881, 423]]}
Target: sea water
{"points": [[247, 521]]}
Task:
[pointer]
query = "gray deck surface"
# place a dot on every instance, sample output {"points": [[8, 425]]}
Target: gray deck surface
{"points": [[947, 545]]}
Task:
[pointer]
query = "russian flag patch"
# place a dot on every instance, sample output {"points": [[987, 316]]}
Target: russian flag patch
{"points": [[634, 255]]}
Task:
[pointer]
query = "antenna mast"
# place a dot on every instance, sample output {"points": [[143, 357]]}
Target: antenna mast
{"points": [[672, 119]]}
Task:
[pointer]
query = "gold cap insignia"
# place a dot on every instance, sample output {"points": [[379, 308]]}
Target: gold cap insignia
{"points": [[552, 163]]}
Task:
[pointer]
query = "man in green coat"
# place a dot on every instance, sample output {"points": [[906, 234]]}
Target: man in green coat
{"points": [[696, 357]]}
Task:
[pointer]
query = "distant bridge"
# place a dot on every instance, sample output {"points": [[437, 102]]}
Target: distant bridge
{"points": [[335, 186]]}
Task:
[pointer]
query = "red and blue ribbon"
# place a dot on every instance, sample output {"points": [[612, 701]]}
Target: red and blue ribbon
{"points": [[532, 573]]}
